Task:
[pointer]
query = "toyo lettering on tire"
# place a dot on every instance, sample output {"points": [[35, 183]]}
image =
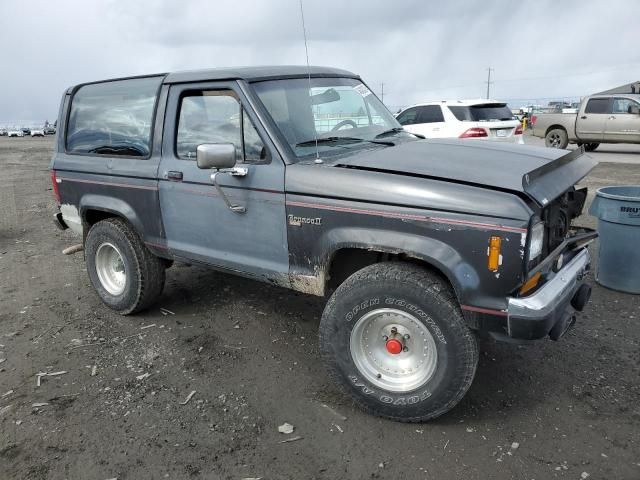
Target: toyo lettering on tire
{"points": [[393, 336], [125, 274]]}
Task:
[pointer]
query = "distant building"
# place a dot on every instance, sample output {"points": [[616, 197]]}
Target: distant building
{"points": [[633, 87]]}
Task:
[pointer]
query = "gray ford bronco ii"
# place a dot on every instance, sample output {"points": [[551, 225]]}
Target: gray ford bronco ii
{"points": [[302, 178]]}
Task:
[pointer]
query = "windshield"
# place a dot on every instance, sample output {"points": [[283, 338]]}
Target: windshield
{"points": [[341, 113], [484, 112]]}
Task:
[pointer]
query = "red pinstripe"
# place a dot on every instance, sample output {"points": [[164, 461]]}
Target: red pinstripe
{"points": [[419, 218]]}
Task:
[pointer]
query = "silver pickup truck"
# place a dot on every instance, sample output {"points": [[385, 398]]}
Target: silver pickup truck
{"points": [[600, 119]]}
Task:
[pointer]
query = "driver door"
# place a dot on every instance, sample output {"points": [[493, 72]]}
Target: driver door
{"points": [[197, 221]]}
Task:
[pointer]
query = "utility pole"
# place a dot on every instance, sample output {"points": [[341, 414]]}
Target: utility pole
{"points": [[489, 82], [382, 92]]}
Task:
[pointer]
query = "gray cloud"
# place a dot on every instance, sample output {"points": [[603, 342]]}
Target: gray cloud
{"points": [[421, 50]]}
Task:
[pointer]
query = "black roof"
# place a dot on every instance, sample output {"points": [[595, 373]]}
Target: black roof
{"points": [[253, 74], [250, 74]]}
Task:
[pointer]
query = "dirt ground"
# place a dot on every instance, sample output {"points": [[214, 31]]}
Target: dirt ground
{"points": [[566, 410]]}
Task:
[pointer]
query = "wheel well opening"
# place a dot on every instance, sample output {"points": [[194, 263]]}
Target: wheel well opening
{"points": [[348, 261], [91, 217], [554, 127]]}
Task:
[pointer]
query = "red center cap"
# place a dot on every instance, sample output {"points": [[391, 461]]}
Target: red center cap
{"points": [[394, 346]]}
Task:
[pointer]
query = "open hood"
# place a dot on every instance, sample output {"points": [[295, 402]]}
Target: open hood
{"points": [[541, 173]]}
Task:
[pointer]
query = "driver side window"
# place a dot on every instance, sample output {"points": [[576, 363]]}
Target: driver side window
{"points": [[216, 116]]}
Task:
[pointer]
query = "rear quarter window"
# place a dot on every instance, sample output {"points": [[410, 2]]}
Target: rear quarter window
{"points": [[113, 118]]}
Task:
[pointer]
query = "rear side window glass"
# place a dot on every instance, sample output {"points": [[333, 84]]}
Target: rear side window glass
{"points": [[597, 105], [113, 118], [482, 113], [408, 117], [430, 114]]}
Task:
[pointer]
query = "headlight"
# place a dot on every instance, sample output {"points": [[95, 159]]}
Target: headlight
{"points": [[536, 241]]}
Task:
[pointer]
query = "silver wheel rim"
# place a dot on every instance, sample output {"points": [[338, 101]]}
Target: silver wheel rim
{"points": [[554, 140], [110, 268], [401, 372]]}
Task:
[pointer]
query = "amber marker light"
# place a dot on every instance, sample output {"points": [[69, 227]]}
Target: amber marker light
{"points": [[494, 253], [530, 284]]}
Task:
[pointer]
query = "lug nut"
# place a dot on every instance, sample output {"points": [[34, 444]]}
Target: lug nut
{"points": [[405, 349], [406, 336], [394, 330], [385, 338]]}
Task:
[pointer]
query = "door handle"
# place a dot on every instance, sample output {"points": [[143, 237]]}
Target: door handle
{"points": [[236, 171], [583, 117], [611, 118], [174, 176]]}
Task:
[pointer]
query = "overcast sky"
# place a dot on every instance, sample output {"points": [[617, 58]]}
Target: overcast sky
{"points": [[422, 50]]}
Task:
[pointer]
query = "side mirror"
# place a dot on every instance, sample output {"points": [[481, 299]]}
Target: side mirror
{"points": [[634, 109], [216, 155]]}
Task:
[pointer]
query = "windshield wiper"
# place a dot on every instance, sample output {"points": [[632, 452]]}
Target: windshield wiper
{"points": [[340, 140], [397, 130], [118, 150]]}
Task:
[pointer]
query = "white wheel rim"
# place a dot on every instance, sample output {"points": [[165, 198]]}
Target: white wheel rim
{"points": [[110, 269], [405, 371]]}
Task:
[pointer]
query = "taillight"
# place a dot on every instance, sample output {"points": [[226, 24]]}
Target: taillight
{"points": [[474, 133], [534, 119], [518, 130], [54, 182]]}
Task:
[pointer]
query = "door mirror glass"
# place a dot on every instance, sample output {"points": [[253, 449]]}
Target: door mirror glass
{"points": [[216, 155]]}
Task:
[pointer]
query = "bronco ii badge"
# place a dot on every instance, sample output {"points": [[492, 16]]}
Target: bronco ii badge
{"points": [[298, 221]]}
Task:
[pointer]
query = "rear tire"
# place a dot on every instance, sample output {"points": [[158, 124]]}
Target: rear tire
{"points": [[590, 147], [126, 275], [556, 138], [417, 384]]}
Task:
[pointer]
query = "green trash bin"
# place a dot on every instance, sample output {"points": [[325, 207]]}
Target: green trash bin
{"points": [[618, 213]]}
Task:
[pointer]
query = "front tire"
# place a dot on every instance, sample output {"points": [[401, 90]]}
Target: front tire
{"points": [[126, 275], [393, 336], [556, 138]]}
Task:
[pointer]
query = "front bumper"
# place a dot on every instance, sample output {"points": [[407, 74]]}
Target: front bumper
{"points": [[551, 310]]}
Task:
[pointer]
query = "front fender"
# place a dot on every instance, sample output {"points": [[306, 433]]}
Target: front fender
{"points": [[438, 254]]}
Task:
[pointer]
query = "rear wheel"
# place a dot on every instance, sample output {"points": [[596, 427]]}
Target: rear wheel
{"points": [[557, 138], [393, 336], [126, 275], [590, 147]]}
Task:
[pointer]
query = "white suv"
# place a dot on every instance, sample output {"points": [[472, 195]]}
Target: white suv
{"points": [[484, 119]]}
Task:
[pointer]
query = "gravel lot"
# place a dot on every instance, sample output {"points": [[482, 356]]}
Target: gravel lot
{"points": [[542, 411]]}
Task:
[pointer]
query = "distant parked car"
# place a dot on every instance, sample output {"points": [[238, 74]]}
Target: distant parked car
{"points": [[37, 133], [485, 119], [49, 130], [15, 133], [26, 131], [3, 132]]}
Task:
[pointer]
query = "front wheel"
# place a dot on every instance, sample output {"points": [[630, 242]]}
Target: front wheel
{"points": [[557, 138], [393, 336], [126, 275]]}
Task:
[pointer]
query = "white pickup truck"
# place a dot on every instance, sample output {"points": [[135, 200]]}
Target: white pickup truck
{"points": [[600, 119]]}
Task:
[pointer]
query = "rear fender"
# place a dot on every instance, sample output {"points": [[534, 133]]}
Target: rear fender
{"points": [[113, 205]]}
